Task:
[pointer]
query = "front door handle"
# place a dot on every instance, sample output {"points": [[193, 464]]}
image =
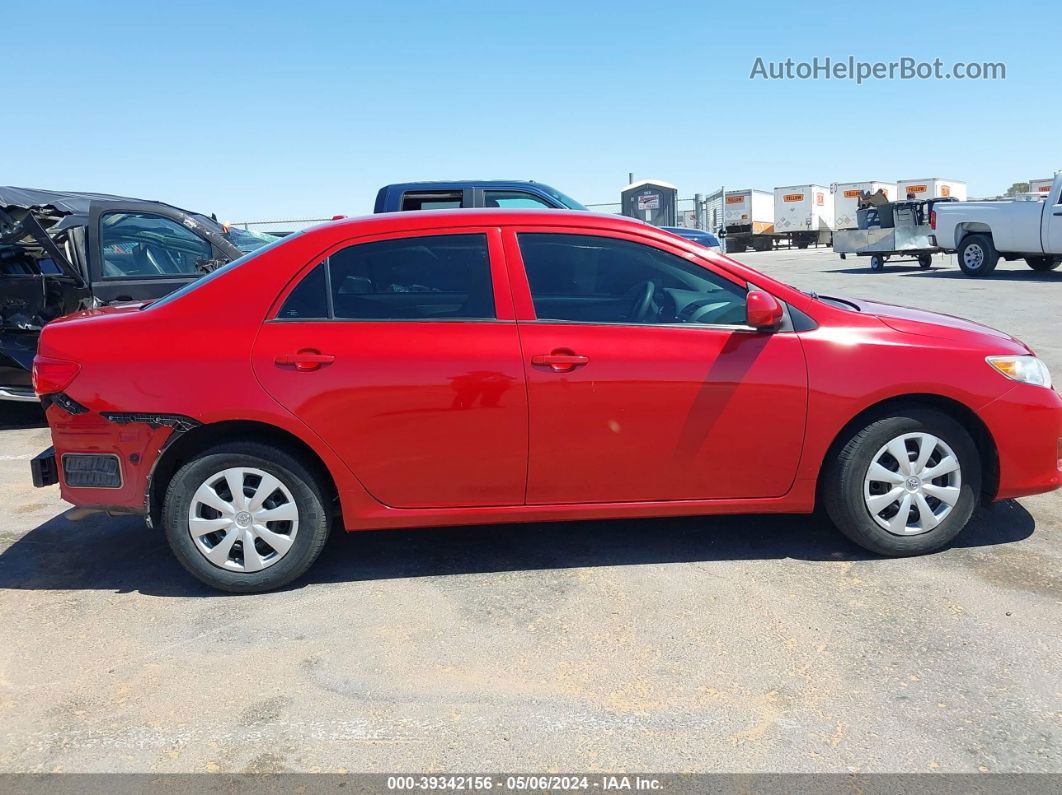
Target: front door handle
{"points": [[306, 359], [560, 361]]}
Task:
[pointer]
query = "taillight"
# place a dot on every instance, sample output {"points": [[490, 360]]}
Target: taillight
{"points": [[53, 375], [933, 219]]}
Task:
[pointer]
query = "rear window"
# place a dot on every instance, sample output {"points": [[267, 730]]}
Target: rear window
{"points": [[433, 200]]}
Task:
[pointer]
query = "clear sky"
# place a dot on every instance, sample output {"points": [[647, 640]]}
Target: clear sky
{"points": [[259, 110]]}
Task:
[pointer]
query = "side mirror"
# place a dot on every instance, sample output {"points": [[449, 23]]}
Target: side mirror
{"points": [[763, 312]]}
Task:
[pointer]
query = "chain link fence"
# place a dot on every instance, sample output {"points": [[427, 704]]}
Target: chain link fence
{"points": [[281, 227], [685, 212]]}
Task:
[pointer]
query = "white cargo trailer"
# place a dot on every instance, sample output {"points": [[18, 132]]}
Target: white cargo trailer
{"points": [[749, 211], [931, 188], [1041, 186], [846, 200], [803, 208], [750, 219], [746, 215]]}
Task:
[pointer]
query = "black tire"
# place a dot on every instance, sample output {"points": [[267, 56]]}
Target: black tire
{"points": [[983, 257], [925, 261], [1043, 264], [735, 246], [877, 263], [313, 516], [843, 483]]}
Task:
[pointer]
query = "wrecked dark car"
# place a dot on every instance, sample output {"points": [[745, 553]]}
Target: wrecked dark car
{"points": [[61, 252]]}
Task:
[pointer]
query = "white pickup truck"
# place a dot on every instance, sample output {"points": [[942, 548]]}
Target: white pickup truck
{"points": [[982, 232]]}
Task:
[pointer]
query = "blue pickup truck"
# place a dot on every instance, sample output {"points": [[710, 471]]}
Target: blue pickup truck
{"points": [[471, 193]]}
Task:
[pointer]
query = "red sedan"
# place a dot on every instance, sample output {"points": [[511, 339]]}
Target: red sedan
{"points": [[458, 367]]}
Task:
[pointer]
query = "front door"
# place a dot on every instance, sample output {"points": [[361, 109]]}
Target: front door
{"points": [[643, 383], [139, 251], [401, 352], [1052, 234]]}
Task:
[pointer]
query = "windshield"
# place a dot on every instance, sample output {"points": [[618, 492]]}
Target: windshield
{"points": [[248, 240], [220, 271], [567, 201]]}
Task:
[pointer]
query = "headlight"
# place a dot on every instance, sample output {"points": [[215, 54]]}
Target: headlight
{"points": [[1027, 369]]}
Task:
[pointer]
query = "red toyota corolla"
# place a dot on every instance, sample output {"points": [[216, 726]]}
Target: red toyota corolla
{"points": [[443, 368]]}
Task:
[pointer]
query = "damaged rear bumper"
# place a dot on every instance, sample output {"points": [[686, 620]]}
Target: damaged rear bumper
{"points": [[104, 459]]}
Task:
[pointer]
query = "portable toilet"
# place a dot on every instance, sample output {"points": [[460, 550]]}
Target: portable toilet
{"points": [[650, 200]]}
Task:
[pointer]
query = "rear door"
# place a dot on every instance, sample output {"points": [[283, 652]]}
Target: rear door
{"points": [[140, 250], [401, 351]]}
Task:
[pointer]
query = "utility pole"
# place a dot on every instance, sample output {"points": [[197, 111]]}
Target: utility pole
{"points": [[698, 208], [722, 222]]}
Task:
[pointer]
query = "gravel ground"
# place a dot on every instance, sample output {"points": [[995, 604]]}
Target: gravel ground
{"points": [[733, 644]]}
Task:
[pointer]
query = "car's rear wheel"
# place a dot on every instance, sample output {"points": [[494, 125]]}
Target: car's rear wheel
{"points": [[1042, 264], [977, 255], [245, 517], [906, 484]]}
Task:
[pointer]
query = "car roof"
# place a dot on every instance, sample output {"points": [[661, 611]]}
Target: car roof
{"points": [[464, 183], [75, 205], [72, 202]]}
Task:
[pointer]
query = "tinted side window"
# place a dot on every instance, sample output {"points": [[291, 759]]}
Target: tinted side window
{"points": [[439, 200], [139, 245], [413, 278], [513, 198], [606, 280], [309, 299]]}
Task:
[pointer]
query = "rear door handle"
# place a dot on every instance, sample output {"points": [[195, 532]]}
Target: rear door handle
{"points": [[560, 361], [306, 359]]}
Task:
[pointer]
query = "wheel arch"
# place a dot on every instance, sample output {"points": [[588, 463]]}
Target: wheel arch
{"points": [[963, 414], [187, 445], [967, 228]]}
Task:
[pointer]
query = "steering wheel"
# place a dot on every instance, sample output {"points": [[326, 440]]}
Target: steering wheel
{"points": [[643, 300]]}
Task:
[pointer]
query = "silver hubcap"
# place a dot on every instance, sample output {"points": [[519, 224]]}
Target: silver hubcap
{"points": [[912, 484], [973, 256], [243, 519]]}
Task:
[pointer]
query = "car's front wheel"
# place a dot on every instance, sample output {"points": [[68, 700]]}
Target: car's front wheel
{"points": [[905, 484], [245, 517]]}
